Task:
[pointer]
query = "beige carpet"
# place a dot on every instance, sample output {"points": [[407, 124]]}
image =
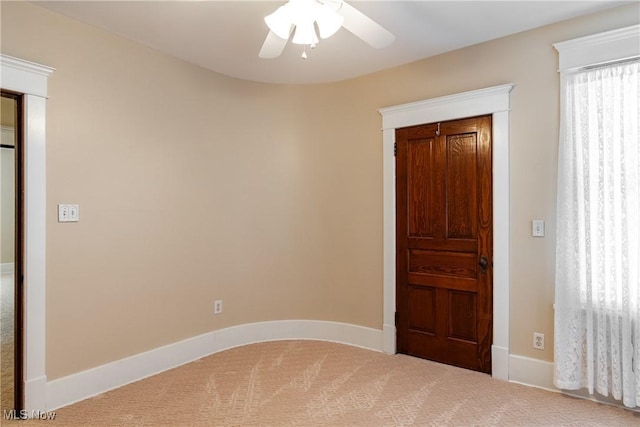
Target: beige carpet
{"points": [[6, 341], [313, 383]]}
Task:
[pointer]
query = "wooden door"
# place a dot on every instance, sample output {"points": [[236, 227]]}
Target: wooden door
{"points": [[444, 242]]}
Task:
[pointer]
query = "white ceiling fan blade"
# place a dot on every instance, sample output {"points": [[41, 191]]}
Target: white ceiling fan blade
{"points": [[329, 21], [272, 47], [364, 27]]}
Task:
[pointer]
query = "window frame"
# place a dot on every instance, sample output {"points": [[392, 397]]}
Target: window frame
{"points": [[610, 46]]}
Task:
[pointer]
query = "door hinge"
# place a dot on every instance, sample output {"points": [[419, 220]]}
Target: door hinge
{"points": [[395, 149], [396, 318]]}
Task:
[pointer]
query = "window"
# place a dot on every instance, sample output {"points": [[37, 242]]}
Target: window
{"points": [[597, 340]]}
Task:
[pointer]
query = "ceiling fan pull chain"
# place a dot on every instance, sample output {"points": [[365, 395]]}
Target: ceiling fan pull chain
{"points": [[304, 52]]}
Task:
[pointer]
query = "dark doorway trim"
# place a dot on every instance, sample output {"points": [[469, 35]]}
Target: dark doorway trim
{"points": [[18, 273]]}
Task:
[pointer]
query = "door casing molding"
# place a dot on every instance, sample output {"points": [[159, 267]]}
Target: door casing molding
{"points": [[30, 79], [495, 101]]}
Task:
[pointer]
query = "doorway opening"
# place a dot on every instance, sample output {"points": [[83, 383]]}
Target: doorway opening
{"points": [[11, 251], [494, 101]]}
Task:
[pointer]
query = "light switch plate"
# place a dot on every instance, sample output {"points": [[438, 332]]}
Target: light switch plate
{"points": [[74, 213], [537, 228], [68, 213]]}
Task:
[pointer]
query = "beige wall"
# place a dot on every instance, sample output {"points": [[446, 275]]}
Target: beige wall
{"points": [[7, 211], [194, 186], [7, 181], [7, 112]]}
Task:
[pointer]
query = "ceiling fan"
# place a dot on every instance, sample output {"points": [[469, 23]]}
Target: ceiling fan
{"points": [[303, 17]]}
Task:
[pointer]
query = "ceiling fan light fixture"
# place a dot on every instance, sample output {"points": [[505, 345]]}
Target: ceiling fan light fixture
{"points": [[305, 34], [329, 21], [304, 21], [280, 21], [304, 15]]}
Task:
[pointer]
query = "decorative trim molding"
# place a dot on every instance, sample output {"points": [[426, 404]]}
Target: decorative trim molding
{"points": [[492, 100], [599, 48], [389, 339], [531, 372], [30, 79], [7, 137], [27, 66], [24, 76], [500, 362], [7, 268], [74, 388], [35, 391], [459, 105]]}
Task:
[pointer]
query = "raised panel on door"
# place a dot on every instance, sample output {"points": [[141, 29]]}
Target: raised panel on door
{"points": [[461, 172], [442, 263], [420, 187], [462, 313], [422, 309]]}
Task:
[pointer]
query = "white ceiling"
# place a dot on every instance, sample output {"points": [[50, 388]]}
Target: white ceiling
{"points": [[226, 36]]}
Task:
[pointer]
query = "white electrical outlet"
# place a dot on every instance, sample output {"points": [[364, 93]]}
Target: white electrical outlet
{"points": [[217, 306], [538, 341], [537, 228]]}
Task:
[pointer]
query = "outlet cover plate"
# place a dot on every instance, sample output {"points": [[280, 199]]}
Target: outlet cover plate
{"points": [[537, 228]]}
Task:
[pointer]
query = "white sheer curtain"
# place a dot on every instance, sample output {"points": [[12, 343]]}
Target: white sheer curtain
{"points": [[597, 317]]}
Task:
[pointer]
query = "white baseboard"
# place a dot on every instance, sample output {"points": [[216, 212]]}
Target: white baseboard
{"points": [[82, 385], [6, 268], [607, 400], [532, 372], [35, 396], [539, 373], [389, 339], [500, 362]]}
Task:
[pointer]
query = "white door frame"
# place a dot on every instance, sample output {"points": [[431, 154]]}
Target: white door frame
{"points": [[495, 101], [30, 79]]}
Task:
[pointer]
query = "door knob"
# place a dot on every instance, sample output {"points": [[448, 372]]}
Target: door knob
{"points": [[483, 264]]}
